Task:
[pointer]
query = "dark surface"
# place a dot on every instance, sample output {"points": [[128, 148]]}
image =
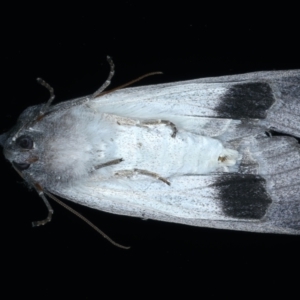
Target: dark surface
{"points": [[243, 196], [68, 49], [246, 100]]}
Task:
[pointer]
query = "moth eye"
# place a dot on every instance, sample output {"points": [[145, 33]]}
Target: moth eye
{"points": [[21, 166], [25, 142]]}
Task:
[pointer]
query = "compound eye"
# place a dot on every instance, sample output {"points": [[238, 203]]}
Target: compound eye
{"points": [[25, 142], [21, 166]]}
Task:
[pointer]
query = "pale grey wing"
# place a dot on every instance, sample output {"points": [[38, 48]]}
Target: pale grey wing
{"points": [[231, 201], [262, 197], [227, 105]]}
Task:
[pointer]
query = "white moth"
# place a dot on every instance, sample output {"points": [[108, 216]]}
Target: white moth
{"points": [[193, 152]]}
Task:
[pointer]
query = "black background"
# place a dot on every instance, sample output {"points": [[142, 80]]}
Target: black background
{"points": [[68, 47]]}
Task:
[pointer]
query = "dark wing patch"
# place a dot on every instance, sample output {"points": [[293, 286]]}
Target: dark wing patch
{"points": [[243, 196], [246, 100]]}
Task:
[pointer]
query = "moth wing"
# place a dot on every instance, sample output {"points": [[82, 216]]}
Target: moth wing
{"points": [[214, 106], [231, 201], [262, 196]]}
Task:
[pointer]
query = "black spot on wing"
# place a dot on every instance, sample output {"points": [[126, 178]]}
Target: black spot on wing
{"points": [[243, 196], [246, 100]]}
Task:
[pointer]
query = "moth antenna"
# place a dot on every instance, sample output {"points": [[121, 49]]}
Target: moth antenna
{"points": [[96, 94], [108, 80], [85, 220], [41, 193], [46, 106], [111, 74], [45, 109]]}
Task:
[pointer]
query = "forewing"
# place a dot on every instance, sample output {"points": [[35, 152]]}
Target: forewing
{"points": [[228, 201], [209, 106], [240, 105]]}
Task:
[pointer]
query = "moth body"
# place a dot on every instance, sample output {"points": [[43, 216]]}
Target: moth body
{"points": [[193, 152]]}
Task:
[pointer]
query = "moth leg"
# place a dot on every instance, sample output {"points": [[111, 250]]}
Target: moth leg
{"points": [[108, 80], [143, 172], [46, 108], [109, 163], [80, 216], [152, 174], [166, 122], [102, 87], [39, 190]]}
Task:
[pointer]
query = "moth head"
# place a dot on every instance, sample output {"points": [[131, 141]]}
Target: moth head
{"points": [[20, 144]]}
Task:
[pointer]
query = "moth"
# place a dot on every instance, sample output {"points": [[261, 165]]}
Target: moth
{"points": [[198, 152]]}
